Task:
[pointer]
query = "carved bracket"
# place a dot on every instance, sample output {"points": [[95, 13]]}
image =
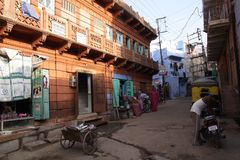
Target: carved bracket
{"points": [[141, 30], [129, 20], [64, 48], [39, 41], [139, 68], [6, 29], [151, 71], [110, 5], [99, 57], [145, 70], [148, 34], [122, 64], [111, 61], [135, 25], [83, 53], [130, 67], [118, 13]]}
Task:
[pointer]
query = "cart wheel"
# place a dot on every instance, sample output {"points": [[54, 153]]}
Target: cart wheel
{"points": [[90, 142], [65, 143]]}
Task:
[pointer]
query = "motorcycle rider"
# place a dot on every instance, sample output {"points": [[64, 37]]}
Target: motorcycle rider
{"points": [[196, 109]]}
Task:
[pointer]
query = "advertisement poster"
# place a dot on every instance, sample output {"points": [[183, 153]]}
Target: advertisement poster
{"points": [[40, 94]]}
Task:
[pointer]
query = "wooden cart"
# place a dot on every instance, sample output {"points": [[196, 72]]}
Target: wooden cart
{"points": [[84, 134]]}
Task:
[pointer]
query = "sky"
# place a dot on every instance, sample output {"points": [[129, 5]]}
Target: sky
{"points": [[183, 17]]}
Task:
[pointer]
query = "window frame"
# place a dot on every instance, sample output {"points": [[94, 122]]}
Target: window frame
{"points": [[128, 42], [135, 46], [119, 41], [109, 36]]}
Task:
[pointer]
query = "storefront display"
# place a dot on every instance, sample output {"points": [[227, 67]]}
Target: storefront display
{"points": [[15, 88]]}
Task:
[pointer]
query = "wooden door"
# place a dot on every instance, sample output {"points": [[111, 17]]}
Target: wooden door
{"points": [[99, 99]]}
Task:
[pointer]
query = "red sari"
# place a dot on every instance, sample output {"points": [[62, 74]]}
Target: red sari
{"points": [[154, 100]]}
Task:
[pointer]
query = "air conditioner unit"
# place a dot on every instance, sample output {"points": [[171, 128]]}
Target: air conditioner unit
{"points": [[73, 81]]}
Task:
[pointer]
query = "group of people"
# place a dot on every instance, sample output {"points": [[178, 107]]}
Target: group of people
{"points": [[153, 99]]}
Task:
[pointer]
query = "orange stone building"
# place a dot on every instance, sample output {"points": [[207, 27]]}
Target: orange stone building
{"points": [[84, 45]]}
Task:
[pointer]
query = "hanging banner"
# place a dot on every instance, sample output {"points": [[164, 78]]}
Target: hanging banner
{"points": [[15, 75], [128, 85], [5, 83], [5, 90], [4, 68]]}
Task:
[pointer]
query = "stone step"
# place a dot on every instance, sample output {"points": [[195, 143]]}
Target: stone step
{"points": [[35, 145], [3, 157]]}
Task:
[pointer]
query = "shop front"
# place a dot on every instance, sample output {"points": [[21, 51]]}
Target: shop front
{"points": [[122, 90], [23, 90]]}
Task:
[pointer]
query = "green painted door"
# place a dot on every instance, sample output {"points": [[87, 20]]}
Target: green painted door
{"points": [[116, 92], [40, 102]]}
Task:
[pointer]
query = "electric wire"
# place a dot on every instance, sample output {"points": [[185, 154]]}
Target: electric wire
{"points": [[185, 25], [151, 15]]}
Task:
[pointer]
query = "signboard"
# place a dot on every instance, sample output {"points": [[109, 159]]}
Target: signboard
{"points": [[58, 28], [162, 70], [81, 38], [129, 88]]}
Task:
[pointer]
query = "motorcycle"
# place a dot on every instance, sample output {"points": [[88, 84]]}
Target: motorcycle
{"points": [[146, 104], [211, 131]]}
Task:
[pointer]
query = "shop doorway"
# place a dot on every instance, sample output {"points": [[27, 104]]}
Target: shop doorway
{"points": [[122, 89], [84, 93]]}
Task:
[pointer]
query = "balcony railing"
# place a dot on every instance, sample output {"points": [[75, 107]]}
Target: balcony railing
{"points": [[11, 10], [217, 26], [218, 12]]}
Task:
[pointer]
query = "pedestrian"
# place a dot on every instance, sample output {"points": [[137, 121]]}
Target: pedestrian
{"points": [[196, 109], [154, 99]]}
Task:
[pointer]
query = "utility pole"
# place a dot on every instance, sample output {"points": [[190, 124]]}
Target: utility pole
{"points": [[159, 20]]}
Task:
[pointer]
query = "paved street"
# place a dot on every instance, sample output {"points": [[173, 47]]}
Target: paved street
{"points": [[162, 135]]}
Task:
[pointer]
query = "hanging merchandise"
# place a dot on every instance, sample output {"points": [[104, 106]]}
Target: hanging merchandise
{"points": [[5, 83], [15, 75]]}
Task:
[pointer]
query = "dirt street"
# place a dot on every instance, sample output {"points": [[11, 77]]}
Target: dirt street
{"points": [[162, 135]]}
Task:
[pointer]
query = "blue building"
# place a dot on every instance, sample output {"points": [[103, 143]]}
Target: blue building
{"points": [[173, 61]]}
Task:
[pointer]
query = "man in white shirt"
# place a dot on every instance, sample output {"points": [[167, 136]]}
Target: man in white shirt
{"points": [[195, 111]]}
